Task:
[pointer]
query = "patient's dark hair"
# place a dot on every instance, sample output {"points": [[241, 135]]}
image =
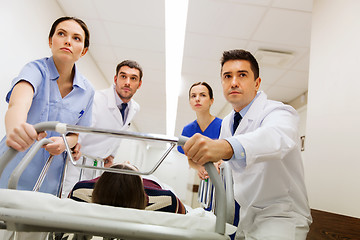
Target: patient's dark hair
{"points": [[120, 190]]}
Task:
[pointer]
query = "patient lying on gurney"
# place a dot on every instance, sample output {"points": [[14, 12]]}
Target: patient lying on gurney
{"points": [[123, 190]]}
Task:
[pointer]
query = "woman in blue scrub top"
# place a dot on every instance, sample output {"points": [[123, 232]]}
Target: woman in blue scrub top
{"points": [[48, 89], [201, 98]]}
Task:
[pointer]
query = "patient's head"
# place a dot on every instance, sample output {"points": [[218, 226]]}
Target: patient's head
{"points": [[120, 190]]}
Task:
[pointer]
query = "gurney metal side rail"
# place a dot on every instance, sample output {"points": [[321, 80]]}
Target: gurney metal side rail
{"points": [[64, 128]]}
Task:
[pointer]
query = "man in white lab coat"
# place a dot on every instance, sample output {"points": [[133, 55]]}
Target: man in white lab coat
{"points": [[113, 108], [259, 140]]}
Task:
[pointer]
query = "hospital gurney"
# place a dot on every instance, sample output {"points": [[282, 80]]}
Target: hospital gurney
{"points": [[43, 212]]}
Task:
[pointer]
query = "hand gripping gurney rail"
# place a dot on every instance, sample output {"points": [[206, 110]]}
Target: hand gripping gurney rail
{"points": [[26, 211]]}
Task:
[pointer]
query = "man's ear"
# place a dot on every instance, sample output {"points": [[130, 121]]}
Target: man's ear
{"points": [[140, 82], [257, 83]]}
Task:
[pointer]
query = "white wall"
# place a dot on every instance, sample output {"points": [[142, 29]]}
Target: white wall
{"points": [[332, 159], [302, 125], [25, 26]]}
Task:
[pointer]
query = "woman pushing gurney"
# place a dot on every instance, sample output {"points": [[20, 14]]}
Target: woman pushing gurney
{"points": [[48, 89]]}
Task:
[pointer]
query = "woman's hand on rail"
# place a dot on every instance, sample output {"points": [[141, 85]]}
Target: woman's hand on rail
{"points": [[109, 161], [217, 165], [76, 151], [201, 172], [56, 147], [23, 136]]}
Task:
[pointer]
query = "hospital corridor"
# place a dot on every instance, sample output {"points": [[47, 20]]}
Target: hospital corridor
{"points": [[179, 119]]}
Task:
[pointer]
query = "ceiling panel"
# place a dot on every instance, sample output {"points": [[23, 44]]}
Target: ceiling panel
{"points": [[303, 63], [294, 79], [79, 8], [285, 27], [103, 53], [224, 19], [283, 94], [147, 13], [98, 33], [252, 2], [269, 75], [297, 5], [148, 59], [218, 44], [133, 36]]}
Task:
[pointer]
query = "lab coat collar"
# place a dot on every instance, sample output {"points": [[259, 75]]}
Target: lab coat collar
{"points": [[132, 106], [252, 112]]}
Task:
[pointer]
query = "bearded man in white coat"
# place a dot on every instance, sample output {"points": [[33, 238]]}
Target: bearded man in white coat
{"points": [[263, 152], [109, 112]]}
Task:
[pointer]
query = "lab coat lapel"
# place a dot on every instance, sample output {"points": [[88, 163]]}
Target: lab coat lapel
{"points": [[253, 113], [112, 106], [225, 131], [130, 114], [133, 109]]}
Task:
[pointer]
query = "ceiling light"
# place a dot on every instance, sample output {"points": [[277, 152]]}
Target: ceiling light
{"points": [[175, 23]]}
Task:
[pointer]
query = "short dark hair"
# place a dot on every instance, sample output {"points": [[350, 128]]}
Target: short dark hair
{"points": [[130, 64], [211, 95], [240, 54], [79, 21], [120, 190]]}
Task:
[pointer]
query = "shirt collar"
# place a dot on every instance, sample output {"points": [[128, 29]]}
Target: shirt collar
{"points": [[118, 100], [246, 109], [54, 74]]}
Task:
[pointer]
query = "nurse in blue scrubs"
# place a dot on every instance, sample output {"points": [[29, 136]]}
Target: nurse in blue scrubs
{"points": [[48, 89], [201, 98]]}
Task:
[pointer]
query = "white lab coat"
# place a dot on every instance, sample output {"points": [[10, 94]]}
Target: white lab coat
{"points": [[270, 186], [105, 115]]}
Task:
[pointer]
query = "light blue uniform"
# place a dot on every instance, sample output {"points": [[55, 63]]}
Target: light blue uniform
{"points": [[48, 105]]}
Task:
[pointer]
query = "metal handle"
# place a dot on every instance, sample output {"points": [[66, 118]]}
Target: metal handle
{"points": [[11, 153], [64, 128], [15, 175], [123, 134], [220, 197]]}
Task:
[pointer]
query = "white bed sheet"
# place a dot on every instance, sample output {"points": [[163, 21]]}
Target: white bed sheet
{"points": [[196, 219]]}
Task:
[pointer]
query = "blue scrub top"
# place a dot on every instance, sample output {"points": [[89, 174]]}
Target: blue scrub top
{"points": [[48, 105], [212, 131]]}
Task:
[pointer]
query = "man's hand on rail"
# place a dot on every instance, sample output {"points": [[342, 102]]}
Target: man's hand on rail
{"points": [[23, 136], [201, 149]]}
